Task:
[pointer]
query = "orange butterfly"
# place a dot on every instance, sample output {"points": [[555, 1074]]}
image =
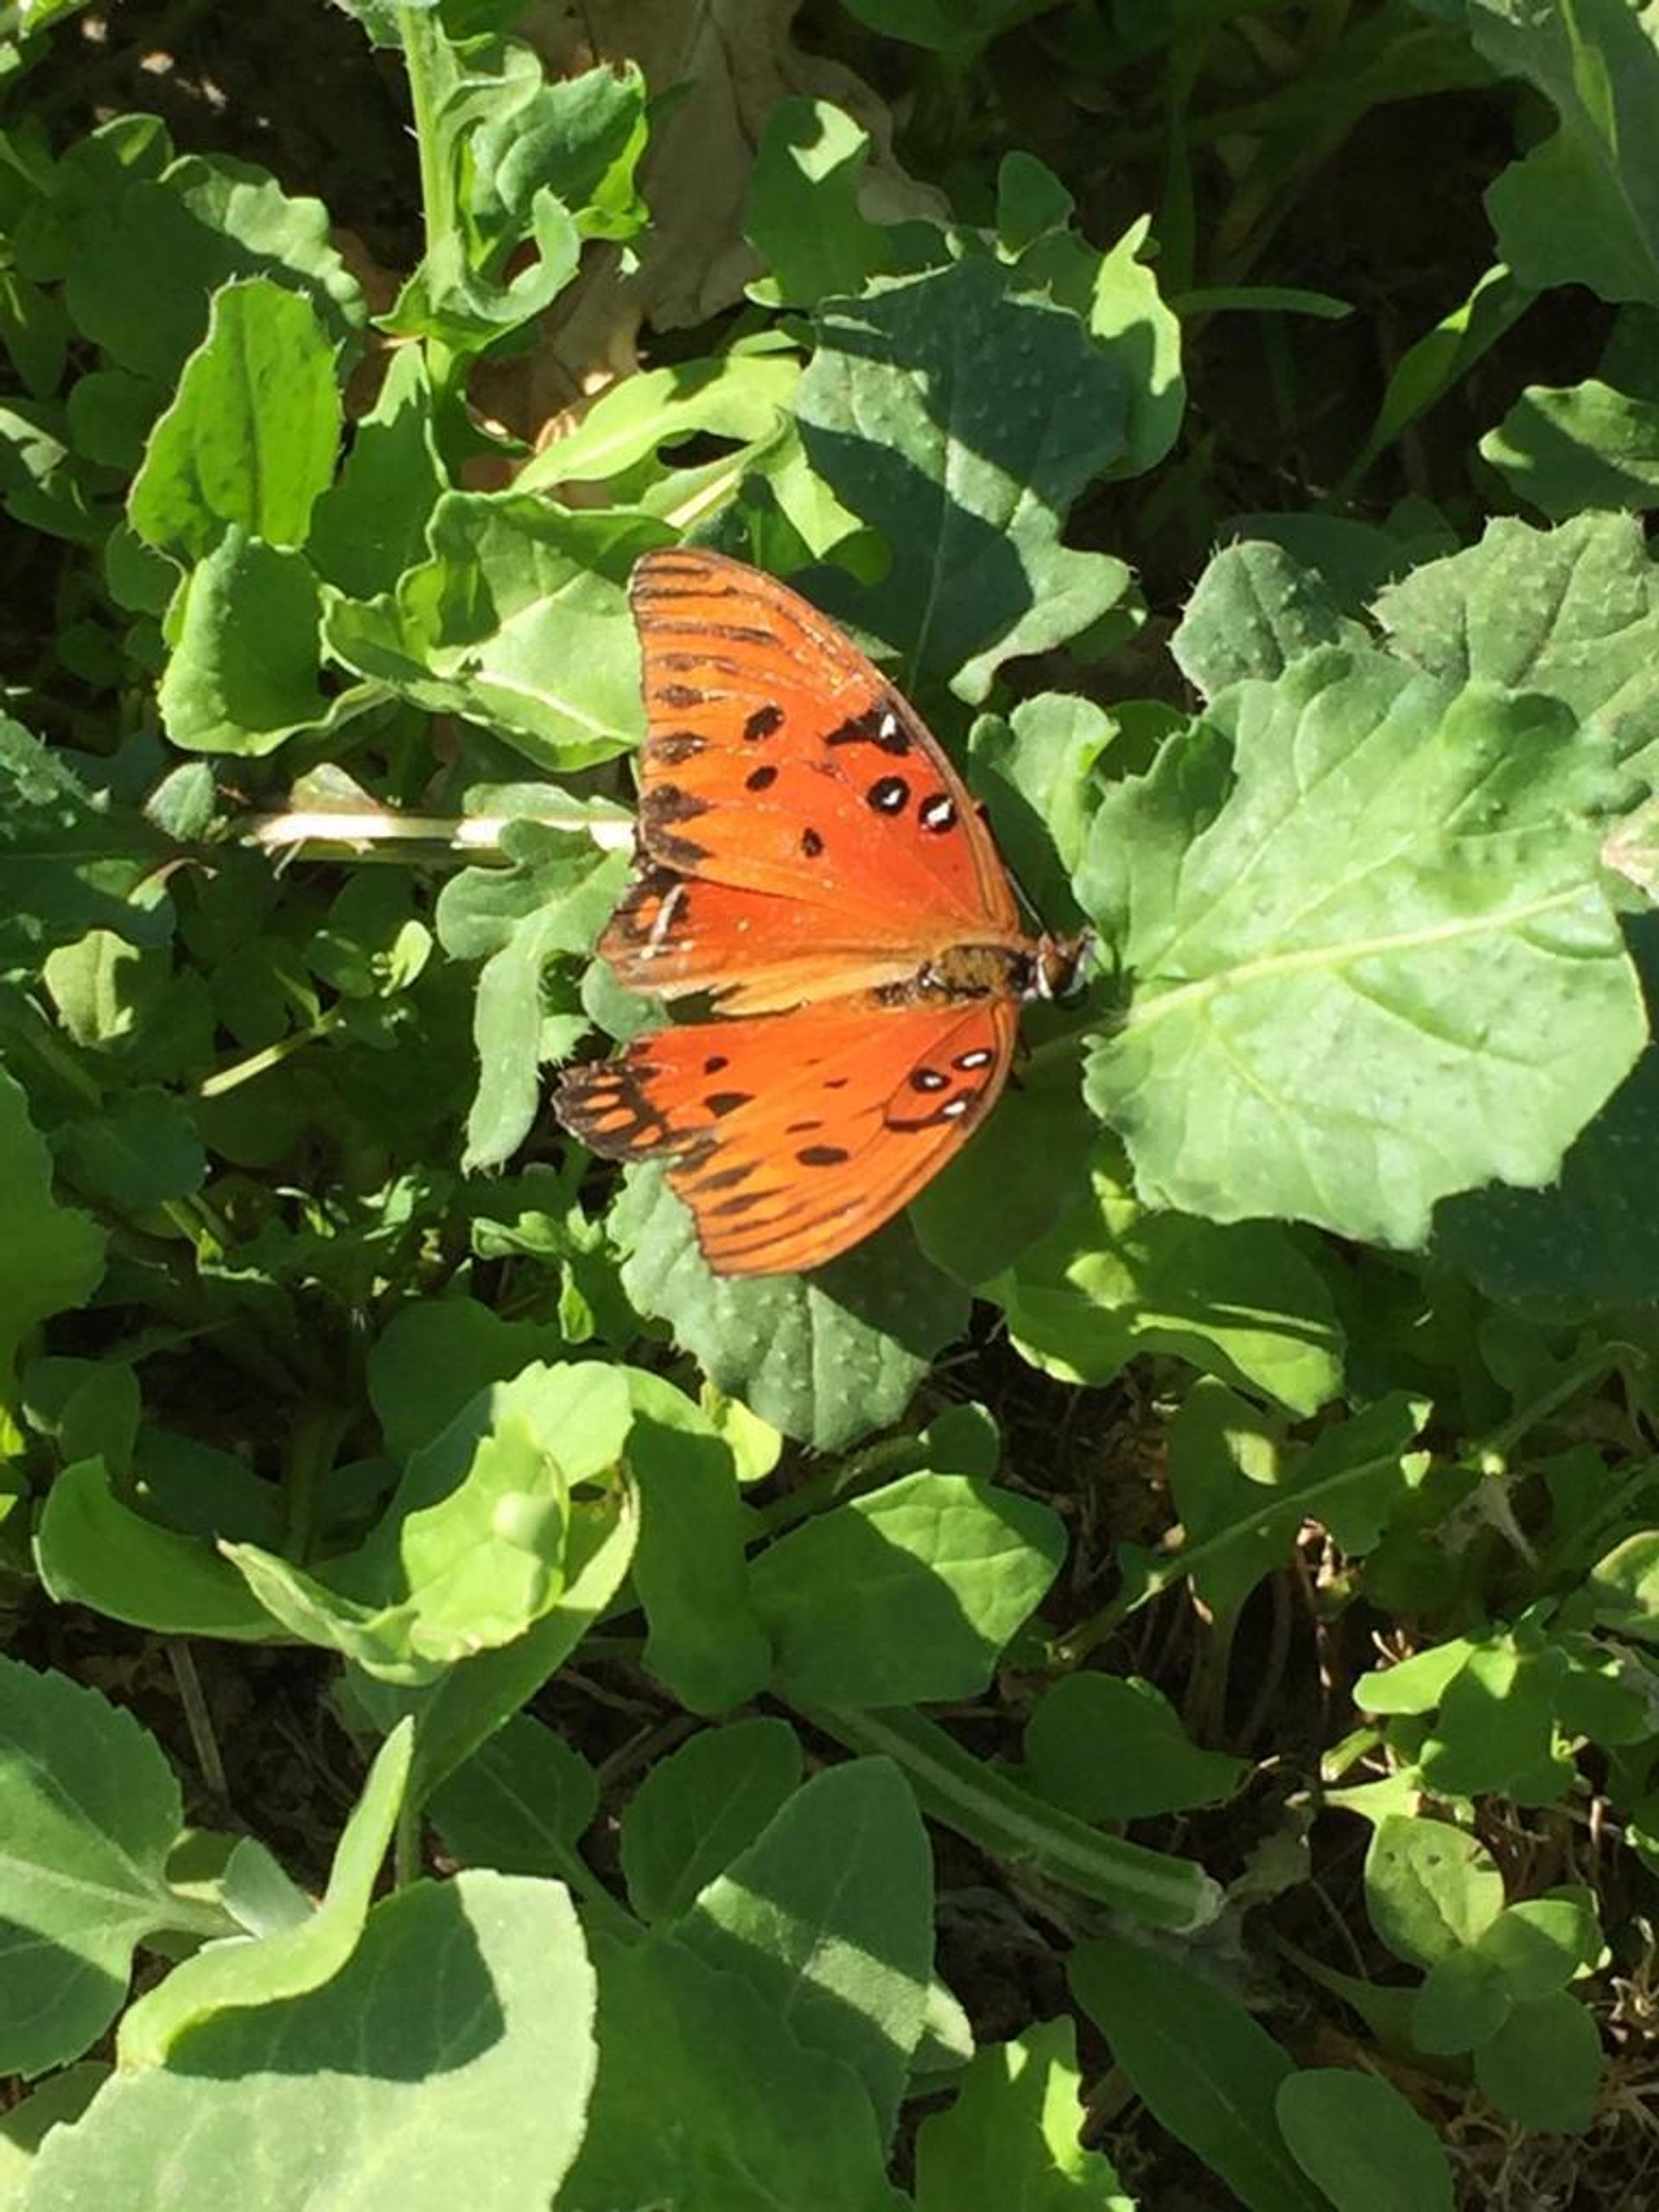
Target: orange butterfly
{"points": [[808, 857]]}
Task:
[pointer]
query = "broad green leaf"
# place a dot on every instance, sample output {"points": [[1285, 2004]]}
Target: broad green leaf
{"points": [[1572, 612], [1463, 2001], [1037, 769], [141, 1151], [251, 435], [93, 1550], [1495, 1731], [1430, 1888], [62, 2097], [956, 28], [371, 525], [704, 1642], [1112, 1748], [1205, 2070], [1563, 451], [464, 2001], [1114, 1278], [961, 419], [1583, 207], [1365, 2145], [1543, 2070], [1343, 1009], [1543, 1943], [579, 137], [1591, 1240], [435, 1353], [699, 1808], [552, 900], [677, 2035], [466, 1706], [906, 1594], [1128, 316], [238, 1975], [1013, 1178], [737, 396], [243, 674], [1010, 2139], [146, 260], [804, 217], [519, 1804], [89, 1811], [1624, 1587], [1255, 609], [473, 1548], [828, 1914], [70, 861], [1415, 1685], [826, 1357], [51, 1256], [516, 619], [90, 1408]]}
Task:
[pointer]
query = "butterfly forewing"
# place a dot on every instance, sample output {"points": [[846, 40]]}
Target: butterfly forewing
{"points": [[777, 761]]}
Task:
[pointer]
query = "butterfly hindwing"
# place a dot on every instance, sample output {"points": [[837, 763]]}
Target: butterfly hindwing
{"points": [[793, 1136]]}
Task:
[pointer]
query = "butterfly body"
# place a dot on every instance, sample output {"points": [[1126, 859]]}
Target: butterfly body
{"points": [[809, 859]]}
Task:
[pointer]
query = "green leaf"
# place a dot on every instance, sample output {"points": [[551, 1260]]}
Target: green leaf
{"points": [[1495, 1729], [962, 419], [142, 1150], [241, 1975], [1591, 1240], [1037, 769], [244, 673], [1114, 1278], [251, 435], [826, 1357], [1013, 1180], [145, 259], [1011, 2137], [956, 28], [699, 1808], [434, 1354], [1254, 610], [520, 1804], [517, 619], [93, 1550], [1624, 1587], [741, 398], [89, 1811], [1543, 1943], [1572, 612], [51, 1256], [802, 213], [1109, 1749], [1543, 2070], [705, 1642], [371, 525], [1430, 1889], [1583, 207], [1206, 2072], [552, 900], [1343, 1010], [1463, 2001], [677, 2035], [464, 1999], [829, 1916], [465, 1706], [70, 860], [1588, 446], [473, 1548], [907, 1593], [1364, 2144]]}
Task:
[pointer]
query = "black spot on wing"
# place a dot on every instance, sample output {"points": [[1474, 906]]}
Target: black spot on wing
{"points": [[762, 723], [880, 726], [811, 843], [823, 1155], [722, 1102], [760, 779]]}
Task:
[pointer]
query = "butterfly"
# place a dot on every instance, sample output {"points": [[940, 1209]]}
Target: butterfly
{"points": [[809, 858]]}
